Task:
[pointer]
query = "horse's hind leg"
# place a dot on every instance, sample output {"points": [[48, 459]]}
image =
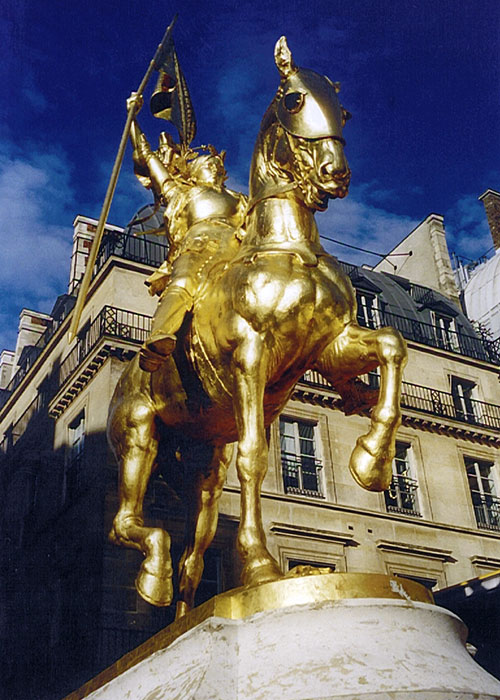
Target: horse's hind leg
{"points": [[133, 436], [357, 351], [202, 525]]}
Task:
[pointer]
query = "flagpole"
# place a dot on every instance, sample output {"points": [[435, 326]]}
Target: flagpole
{"points": [[87, 277]]}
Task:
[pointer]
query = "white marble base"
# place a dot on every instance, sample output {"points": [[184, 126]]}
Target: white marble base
{"points": [[364, 649]]}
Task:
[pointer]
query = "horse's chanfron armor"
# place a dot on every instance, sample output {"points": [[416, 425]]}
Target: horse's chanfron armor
{"points": [[309, 106]]}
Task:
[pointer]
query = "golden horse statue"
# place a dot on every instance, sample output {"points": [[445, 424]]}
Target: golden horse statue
{"points": [[280, 307]]}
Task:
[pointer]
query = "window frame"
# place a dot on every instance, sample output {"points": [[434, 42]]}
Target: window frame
{"points": [[405, 478], [446, 336], [464, 398], [296, 455], [485, 504], [75, 456], [369, 313]]}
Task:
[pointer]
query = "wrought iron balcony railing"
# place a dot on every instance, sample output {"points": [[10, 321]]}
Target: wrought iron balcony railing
{"points": [[441, 403], [401, 497], [432, 401], [112, 322], [136, 248], [486, 510], [302, 475], [123, 245], [437, 337], [426, 333]]}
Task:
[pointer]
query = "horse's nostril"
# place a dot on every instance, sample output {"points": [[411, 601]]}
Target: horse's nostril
{"points": [[327, 169], [331, 171]]}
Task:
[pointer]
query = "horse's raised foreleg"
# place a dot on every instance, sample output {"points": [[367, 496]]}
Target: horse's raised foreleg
{"points": [[202, 525], [354, 352], [249, 368], [135, 444]]}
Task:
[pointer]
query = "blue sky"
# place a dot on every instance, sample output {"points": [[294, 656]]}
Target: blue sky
{"points": [[421, 79]]}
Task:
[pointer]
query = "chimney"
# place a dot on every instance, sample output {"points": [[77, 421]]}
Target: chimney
{"points": [[491, 201], [84, 229], [6, 367], [31, 326]]}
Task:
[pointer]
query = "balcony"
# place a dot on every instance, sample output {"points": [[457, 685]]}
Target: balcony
{"points": [[137, 248], [441, 403], [123, 245], [431, 401], [110, 322], [301, 476], [401, 497], [32, 355], [486, 510], [436, 337]]}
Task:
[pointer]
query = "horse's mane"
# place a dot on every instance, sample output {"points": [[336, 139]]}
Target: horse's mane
{"points": [[265, 167]]}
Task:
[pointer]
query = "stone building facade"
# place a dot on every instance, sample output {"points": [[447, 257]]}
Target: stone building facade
{"points": [[67, 596]]}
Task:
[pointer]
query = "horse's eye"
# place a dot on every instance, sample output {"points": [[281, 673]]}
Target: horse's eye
{"points": [[294, 101]]}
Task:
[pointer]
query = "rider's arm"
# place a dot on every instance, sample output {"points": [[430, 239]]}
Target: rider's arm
{"points": [[147, 164]]}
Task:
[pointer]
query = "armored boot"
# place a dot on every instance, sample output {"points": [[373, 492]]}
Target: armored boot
{"points": [[173, 306]]}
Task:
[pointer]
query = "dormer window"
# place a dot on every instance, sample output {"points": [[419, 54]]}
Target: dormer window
{"points": [[446, 332], [368, 314]]}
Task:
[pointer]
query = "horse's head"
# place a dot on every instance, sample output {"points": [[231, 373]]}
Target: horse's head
{"points": [[304, 132]]}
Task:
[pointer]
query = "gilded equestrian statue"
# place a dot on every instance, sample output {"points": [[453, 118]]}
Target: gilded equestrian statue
{"points": [[281, 306]]}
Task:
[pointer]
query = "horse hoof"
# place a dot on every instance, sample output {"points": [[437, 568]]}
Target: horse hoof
{"points": [[154, 589], [257, 573], [372, 472], [181, 609]]}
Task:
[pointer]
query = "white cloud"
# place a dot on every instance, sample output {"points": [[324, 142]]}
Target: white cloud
{"points": [[356, 222], [467, 228], [37, 205]]}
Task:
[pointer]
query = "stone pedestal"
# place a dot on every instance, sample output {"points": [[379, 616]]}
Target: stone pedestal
{"points": [[359, 648]]}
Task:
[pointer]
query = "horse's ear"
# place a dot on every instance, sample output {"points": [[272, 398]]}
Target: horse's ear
{"points": [[283, 58]]}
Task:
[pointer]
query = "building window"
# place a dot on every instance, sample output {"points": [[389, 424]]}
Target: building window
{"points": [[401, 497], [483, 493], [462, 392], [446, 334], [368, 312], [429, 583], [73, 476], [292, 563], [372, 378], [301, 468]]}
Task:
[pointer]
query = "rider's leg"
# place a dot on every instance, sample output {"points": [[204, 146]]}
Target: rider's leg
{"points": [[174, 303], [173, 306]]}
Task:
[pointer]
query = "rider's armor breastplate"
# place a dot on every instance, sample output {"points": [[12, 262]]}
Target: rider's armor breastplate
{"points": [[205, 203]]}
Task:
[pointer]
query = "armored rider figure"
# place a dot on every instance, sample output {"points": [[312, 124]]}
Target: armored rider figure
{"points": [[203, 221]]}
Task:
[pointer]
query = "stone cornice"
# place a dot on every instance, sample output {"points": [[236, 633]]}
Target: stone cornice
{"points": [[415, 550], [290, 530]]}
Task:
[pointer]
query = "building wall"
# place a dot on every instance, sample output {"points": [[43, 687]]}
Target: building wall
{"points": [[69, 595], [427, 261]]}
